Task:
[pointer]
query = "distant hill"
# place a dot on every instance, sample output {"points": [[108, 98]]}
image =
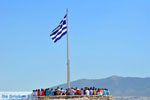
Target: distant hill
{"points": [[118, 86]]}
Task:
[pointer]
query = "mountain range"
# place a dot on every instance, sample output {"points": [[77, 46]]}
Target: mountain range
{"points": [[118, 86]]}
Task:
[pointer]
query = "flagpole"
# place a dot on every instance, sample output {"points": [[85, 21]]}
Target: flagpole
{"points": [[68, 64]]}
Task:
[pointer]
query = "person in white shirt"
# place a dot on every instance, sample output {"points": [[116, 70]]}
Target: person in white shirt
{"points": [[87, 91]]}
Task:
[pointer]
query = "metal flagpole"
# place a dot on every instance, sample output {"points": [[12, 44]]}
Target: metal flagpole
{"points": [[68, 65]]}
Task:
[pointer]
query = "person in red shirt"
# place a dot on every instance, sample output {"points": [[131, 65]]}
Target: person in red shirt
{"points": [[38, 92], [98, 91], [43, 92], [77, 91]]}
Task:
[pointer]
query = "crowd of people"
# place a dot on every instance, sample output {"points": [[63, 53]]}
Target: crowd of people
{"points": [[73, 91]]}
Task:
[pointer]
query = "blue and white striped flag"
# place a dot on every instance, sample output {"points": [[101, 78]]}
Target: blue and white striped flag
{"points": [[60, 30]]}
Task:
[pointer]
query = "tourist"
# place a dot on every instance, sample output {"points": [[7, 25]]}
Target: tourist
{"points": [[42, 92], [55, 92], [47, 92], [87, 92], [104, 91], [108, 92], [98, 92], [82, 92], [38, 92], [101, 92], [34, 93], [72, 91], [94, 91], [61, 91], [58, 91], [51, 92], [77, 91], [68, 91], [90, 91]]}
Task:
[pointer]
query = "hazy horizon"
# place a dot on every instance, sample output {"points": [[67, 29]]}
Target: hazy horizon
{"points": [[113, 76]]}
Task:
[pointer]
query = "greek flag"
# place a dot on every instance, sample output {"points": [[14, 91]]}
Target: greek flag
{"points": [[60, 30]]}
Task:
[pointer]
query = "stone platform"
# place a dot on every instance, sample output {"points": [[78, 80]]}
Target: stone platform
{"points": [[75, 98]]}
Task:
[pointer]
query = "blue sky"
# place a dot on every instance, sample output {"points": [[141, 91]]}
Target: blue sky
{"points": [[106, 37]]}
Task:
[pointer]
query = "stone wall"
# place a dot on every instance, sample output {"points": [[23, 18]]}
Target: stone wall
{"points": [[75, 98], [68, 98]]}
